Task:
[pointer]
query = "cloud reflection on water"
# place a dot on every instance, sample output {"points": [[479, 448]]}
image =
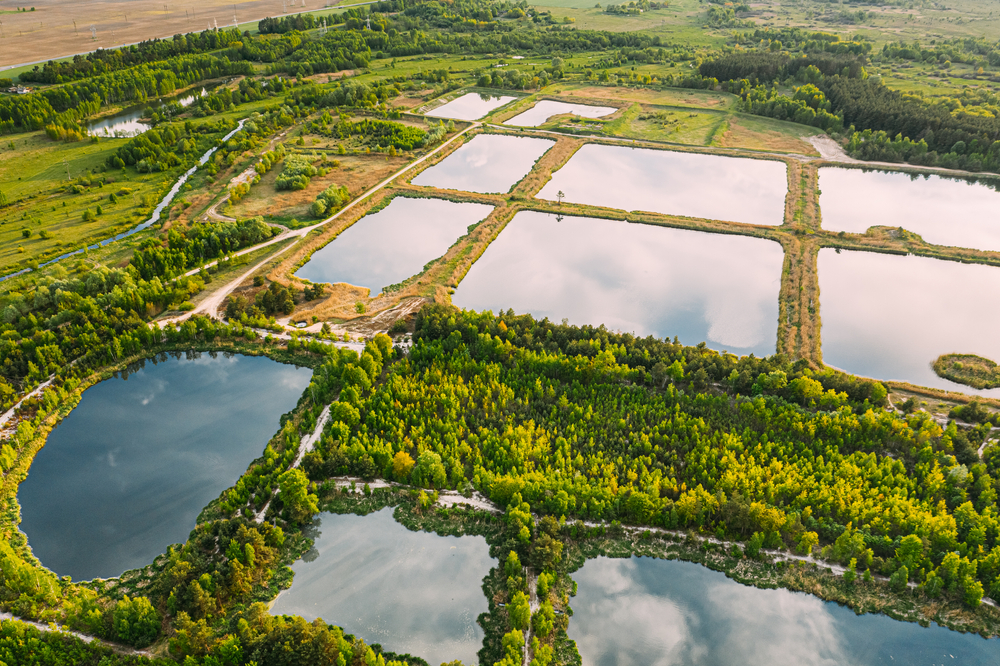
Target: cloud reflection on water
{"points": [[413, 592], [638, 278], [644, 611]]}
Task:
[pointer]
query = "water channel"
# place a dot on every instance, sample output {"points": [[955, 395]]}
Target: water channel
{"points": [[539, 113], [413, 592], [944, 211], [127, 472], [732, 189], [489, 163], [638, 278], [889, 316], [394, 243], [470, 106], [649, 612], [153, 219]]}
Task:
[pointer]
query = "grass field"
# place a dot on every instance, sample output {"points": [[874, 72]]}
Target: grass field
{"points": [[34, 178]]}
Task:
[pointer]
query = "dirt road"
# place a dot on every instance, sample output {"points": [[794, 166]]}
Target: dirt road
{"points": [[210, 306]]}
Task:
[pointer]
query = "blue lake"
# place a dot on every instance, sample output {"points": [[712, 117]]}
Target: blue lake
{"points": [[128, 471]]}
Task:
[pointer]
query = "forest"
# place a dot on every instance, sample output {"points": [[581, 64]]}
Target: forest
{"points": [[835, 93]]}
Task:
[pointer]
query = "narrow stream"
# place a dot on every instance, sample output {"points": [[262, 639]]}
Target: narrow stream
{"points": [[153, 219]]}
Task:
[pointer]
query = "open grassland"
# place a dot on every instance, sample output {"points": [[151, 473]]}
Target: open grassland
{"points": [[51, 186]]}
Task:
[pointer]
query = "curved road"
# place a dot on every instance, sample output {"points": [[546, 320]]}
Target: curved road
{"points": [[211, 305]]}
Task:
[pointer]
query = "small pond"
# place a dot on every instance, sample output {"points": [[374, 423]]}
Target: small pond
{"points": [[638, 278], [470, 106], [944, 211], [130, 123], [889, 316], [732, 189], [388, 246], [127, 472], [490, 163], [539, 113], [651, 612], [413, 592]]}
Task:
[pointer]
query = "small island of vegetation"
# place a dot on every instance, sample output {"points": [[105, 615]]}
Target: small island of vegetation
{"points": [[968, 369]]}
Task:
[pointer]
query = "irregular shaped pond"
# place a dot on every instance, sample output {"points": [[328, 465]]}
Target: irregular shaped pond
{"points": [[733, 189], [633, 277], [391, 245], [944, 211], [659, 612], [413, 592], [470, 106], [889, 317], [539, 113], [127, 472], [130, 123], [490, 163]]}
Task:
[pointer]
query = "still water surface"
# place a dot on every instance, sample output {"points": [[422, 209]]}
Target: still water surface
{"points": [[661, 181], [648, 612], [638, 278], [944, 211], [490, 163], [413, 592], [127, 472], [889, 317], [130, 122], [393, 244], [539, 113], [470, 106]]}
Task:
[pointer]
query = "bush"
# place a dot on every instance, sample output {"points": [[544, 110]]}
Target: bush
{"points": [[296, 174], [136, 621]]}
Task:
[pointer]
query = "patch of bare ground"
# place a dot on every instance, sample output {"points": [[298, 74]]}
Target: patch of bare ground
{"points": [[49, 31], [357, 173], [412, 99], [740, 136], [331, 76]]}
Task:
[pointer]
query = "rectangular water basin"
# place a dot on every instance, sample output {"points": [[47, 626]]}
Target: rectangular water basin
{"points": [[715, 187], [638, 278], [489, 164], [470, 106], [889, 317], [393, 244], [539, 113], [944, 211]]}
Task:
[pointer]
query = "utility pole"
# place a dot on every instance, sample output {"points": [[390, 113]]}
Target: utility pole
{"points": [[75, 30]]}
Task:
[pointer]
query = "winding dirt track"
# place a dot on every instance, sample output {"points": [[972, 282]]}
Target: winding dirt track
{"points": [[210, 306]]}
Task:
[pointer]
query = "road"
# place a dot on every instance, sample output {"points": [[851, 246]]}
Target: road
{"points": [[210, 306]]}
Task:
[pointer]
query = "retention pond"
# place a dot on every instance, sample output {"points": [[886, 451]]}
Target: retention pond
{"points": [[413, 592], [666, 613], [638, 278], [489, 164], [714, 187], [127, 472], [943, 211], [889, 317], [388, 246], [539, 113], [470, 106]]}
